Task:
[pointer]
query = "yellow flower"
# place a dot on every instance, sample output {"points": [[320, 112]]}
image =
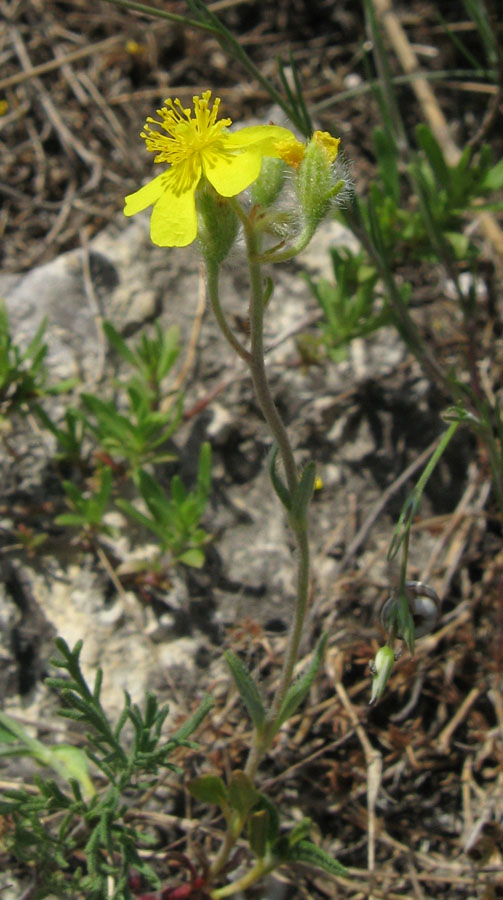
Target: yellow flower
{"points": [[196, 145], [293, 151], [329, 143]]}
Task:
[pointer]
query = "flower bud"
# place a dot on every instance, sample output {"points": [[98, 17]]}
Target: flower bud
{"points": [[267, 187], [217, 225], [315, 183], [381, 669]]}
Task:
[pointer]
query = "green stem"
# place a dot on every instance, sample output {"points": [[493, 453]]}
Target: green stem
{"points": [[262, 742], [299, 528], [404, 322], [263, 737], [162, 14], [260, 869], [214, 295], [277, 256]]}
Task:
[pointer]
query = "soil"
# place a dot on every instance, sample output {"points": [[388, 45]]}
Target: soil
{"points": [[408, 793]]}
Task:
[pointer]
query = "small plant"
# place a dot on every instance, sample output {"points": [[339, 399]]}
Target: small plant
{"points": [[88, 510], [151, 360], [125, 434], [175, 520], [135, 429], [138, 435], [80, 834], [23, 375], [69, 434], [351, 304]]}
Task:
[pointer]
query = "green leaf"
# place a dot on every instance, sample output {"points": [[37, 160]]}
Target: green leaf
{"points": [[118, 343], [178, 490], [76, 765], [195, 720], [460, 243], [247, 689], [194, 558], [304, 492], [493, 179], [273, 821], [204, 470], [300, 831], [307, 852], [73, 519], [209, 789], [433, 151], [258, 827], [242, 794], [278, 484], [298, 691], [412, 502], [387, 160]]}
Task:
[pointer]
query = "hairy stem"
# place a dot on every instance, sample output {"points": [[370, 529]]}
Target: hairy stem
{"points": [[263, 737]]}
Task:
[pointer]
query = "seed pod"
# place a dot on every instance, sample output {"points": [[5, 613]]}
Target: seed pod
{"points": [[424, 607]]}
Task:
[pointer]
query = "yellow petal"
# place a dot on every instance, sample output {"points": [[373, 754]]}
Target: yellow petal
{"points": [[146, 196], [230, 175], [329, 143], [264, 135], [174, 220], [233, 170]]}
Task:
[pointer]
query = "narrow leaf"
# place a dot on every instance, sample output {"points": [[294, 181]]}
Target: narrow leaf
{"points": [[300, 831], [195, 720], [273, 821], [247, 689], [298, 691], [258, 826], [278, 484], [304, 492], [307, 852]]}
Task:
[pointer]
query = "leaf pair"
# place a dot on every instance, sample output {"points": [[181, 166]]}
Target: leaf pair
{"points": [[250, 695]]}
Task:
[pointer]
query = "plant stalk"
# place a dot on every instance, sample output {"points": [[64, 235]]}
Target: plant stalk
{"points": [[262, 738]]}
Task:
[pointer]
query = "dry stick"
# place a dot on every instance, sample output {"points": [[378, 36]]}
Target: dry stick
{"points": [[491, 811], [432, 112], [461, 521], [451, 563], [373, 759], [110, 121], [57, 225], [446, 735], [53, 64], [66, 136], [466, 781], [361, 535]]}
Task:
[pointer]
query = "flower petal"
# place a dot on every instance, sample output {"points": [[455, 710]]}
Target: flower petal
{"points": [[146, 196], [232, 171], [230, 175], [265, 135], [174, 219]]}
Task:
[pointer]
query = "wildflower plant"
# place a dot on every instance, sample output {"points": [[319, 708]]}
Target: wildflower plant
{"points": [[91, 822], [23, 371], [270, 189], [198, 197]]}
